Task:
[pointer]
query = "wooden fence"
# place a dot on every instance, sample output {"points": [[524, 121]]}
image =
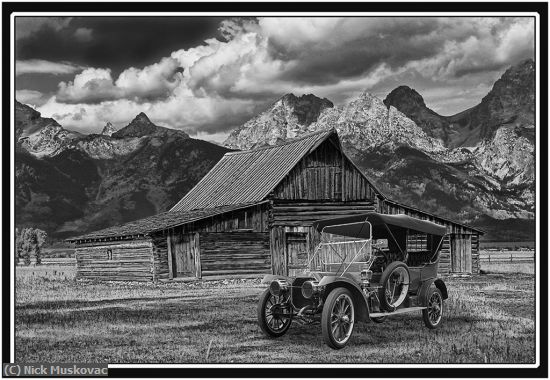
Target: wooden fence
{"points": [[507, 256]]}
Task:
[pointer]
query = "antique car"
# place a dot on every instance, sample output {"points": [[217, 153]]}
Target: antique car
{"points": [[366, 267]]}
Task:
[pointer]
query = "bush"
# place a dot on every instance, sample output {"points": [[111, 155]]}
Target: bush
{"points": [[28, 243]]}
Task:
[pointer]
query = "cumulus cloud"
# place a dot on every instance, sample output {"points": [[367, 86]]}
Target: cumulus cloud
{"points": [[40, 66], [215, 86], [95, 85]]}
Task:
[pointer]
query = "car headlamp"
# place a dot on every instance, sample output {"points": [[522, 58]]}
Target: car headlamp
{"points": [[310, 288], [278, 287]]}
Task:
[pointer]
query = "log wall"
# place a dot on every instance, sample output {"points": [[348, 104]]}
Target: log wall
{"points": [[160, 257], [234, 253], [130, 260], [445, 256], [253, 218], [475, 254]]}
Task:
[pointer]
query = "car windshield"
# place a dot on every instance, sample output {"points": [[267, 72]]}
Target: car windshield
{"points": [[338, 254]]}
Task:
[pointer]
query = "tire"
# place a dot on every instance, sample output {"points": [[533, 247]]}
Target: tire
{"points": [[338, 318], [276, 326], [433, 315], [394, 282]]}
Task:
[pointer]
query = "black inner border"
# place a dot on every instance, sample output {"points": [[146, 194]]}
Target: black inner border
{"points": [[541, 8]]}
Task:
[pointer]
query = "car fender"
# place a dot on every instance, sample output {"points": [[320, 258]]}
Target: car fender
{"points": [[270, 277], [423, 291], [331, 282]]}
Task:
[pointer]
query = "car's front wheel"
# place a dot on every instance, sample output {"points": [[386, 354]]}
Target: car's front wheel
{"points": [[338, 318], [274, 314]]}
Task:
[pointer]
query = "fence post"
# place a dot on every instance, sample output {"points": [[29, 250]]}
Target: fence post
{"points": [[489, 257], [510, 256]]}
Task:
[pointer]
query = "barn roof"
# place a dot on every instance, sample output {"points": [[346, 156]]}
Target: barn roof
{"points": [[249, 176], [158, 222]]}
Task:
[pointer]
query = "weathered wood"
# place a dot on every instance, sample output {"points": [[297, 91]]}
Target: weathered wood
{"points": [[170, 256], [324, 174], [126, 260], [197, 254], [234, 252]]}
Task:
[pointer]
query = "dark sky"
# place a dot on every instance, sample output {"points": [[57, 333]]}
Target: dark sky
{"points": [[207, 75], [116, 42]]}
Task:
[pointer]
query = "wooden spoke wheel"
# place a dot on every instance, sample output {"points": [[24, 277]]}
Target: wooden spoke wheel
{"points": [[338, 318], [433, 314], [394, 285], [274, 314]]}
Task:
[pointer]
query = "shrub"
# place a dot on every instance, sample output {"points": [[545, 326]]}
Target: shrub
{"points": [[29, 243]]}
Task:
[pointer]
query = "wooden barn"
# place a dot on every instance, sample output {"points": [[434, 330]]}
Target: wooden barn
{"points": [[253, 214]]}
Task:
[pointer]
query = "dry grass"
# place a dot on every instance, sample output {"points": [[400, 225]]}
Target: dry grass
{"points": [[525, 268], [490, 319]]}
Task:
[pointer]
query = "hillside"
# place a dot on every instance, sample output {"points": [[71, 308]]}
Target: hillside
{"points": [[95, 181]]}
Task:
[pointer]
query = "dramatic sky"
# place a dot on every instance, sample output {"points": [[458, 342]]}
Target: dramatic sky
{"points": [[209, 75]]}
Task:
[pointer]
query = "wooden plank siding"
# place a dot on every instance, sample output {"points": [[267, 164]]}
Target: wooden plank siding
{"points": [[297, 213], [117, 261], [160, 257], [325, 174], [445, 256], [253, 218], [234, 253], [475, 253]]}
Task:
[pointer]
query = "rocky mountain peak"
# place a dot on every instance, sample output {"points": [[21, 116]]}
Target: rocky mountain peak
{"points": [[288, 117], [108, 129], [510, 103], [141, 126], [408, 101], [29, 121], [405, 99]]}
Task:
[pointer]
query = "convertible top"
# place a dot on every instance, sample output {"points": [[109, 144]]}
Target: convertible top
{"points": [[353, 225]]}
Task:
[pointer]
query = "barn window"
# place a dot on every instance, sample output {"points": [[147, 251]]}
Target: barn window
{"points": [[417, 242], [109, 254]]}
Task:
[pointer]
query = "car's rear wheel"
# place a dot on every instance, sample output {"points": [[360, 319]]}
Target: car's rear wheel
{"points": [[433, 314], [394, 286], [338, 318], [274, 314]]}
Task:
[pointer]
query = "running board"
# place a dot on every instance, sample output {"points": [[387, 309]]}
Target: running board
{"points": [[398, 311]]}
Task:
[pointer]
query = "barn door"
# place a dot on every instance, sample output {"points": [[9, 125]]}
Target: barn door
{"points": [[185, 255], [461, 253], [296, 251]]}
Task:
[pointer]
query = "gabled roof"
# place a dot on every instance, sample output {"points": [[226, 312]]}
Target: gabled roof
{"points": [[158, 222], [249, 176]]}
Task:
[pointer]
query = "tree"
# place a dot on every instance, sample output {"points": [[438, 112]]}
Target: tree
{"points": [[30, 244], [18, 246], [40, 239]]}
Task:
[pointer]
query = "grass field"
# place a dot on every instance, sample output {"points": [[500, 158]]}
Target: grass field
{"points": [[489, 319]]}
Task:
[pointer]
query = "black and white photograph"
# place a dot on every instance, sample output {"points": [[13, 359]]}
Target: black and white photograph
{"points": [[241, 189]]}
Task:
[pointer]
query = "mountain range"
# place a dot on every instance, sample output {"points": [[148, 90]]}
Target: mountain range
{"points": [[71, 183], [476, 166]]}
